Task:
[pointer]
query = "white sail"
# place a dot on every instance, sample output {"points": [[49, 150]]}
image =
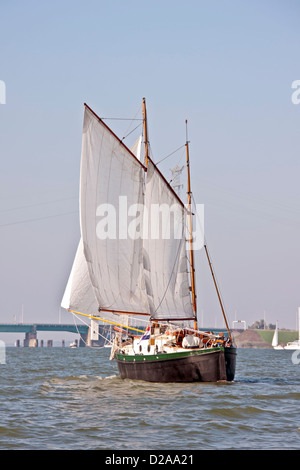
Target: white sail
{"points": [[111, 176], [79, 293], [120, 272], [165, 259], [275, 337], [136, 149]]}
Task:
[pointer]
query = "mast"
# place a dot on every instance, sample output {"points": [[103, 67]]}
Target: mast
{"points": [[145, 133], [189, 194]]}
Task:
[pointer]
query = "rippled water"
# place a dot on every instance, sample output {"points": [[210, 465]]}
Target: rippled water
{"points": [[62, 398]]}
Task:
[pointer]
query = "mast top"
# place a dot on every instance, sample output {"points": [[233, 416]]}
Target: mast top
{"points": [[145, 133]]}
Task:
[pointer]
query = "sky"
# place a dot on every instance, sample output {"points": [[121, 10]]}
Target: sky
{"points": [[225, 66]]}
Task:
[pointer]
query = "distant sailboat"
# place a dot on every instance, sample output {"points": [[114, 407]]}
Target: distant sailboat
{"points": [[118, 277], [293, 345], [275, 339]]}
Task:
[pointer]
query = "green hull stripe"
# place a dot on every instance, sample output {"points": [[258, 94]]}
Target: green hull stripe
{"points": [[166, 356]]}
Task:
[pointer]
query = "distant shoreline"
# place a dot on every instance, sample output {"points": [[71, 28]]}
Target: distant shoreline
{"points": [[262, 339]]}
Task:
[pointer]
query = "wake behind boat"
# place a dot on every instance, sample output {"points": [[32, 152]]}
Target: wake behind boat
{"points": [[141, 268]]}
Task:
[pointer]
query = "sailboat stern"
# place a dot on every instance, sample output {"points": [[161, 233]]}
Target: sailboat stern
{"points": [[230, 362]]}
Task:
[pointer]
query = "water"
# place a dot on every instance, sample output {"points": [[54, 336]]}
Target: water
{"points": [[62, 398]]}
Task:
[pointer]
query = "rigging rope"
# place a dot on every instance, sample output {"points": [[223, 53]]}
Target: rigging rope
{"points": [[125, 136], [120, 119], [99, 334], [170, 154], [38, 218], [214, 274]]}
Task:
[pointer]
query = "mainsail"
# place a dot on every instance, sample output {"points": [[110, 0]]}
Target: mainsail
{"points": [[119, 273], [165, 258], [111, 180]]}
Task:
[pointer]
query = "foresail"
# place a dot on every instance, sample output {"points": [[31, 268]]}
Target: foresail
{"points": [[111, 182], [136, 149], [79, 293], [165, 259]]}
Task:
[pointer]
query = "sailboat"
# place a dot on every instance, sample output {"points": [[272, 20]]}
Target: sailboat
{"points": [[141, 269], [294, 345], [275, 339]]}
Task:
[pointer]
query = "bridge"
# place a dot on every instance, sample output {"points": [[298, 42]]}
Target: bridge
{"points": [[92, 335], [87, 337]]}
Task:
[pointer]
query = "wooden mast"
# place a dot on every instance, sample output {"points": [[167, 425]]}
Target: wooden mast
{"points": [[145, 133], [189, 194]]}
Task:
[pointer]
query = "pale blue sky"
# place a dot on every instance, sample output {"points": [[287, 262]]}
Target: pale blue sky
{"points": [[226, 66]]}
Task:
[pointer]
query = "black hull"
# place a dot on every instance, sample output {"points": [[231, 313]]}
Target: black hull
{"points": [[216, 364], [230, 361]]}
